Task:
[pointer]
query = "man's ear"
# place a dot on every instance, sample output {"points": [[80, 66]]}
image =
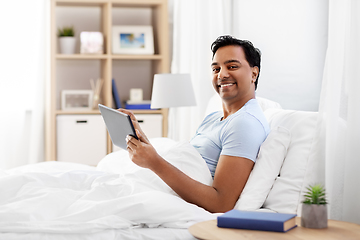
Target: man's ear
{"points": [[255, 73]]}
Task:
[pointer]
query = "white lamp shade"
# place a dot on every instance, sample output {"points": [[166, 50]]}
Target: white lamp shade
{"points": [[172, 90]]}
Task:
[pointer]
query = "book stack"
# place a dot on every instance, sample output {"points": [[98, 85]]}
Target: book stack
{"points": [[251, 220], [145, 104]]}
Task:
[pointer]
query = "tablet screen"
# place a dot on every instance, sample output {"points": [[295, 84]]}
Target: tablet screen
{"points": [[118, 124]]}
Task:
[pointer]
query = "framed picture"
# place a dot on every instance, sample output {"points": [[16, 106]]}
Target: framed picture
{"points": [[76, 100], [91, 42], [132, 40]]}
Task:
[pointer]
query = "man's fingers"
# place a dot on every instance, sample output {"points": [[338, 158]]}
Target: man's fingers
{"points": [[130, 141], [130, 113], [141, 137]]}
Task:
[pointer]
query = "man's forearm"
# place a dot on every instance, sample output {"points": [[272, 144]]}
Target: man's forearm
{"points": [[191, 190]]}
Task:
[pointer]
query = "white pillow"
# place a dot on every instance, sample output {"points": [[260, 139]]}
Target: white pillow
{"points": [[214, 104], [266, 103], [266, 169], [285, 195]]}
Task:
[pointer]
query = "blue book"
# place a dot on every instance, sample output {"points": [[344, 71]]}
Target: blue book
{"points": [[251, 220], [116, 95], [146, 104], [138, 106]]}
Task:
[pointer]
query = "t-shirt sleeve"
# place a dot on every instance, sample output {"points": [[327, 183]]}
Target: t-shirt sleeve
{"points": [[242, 137]]}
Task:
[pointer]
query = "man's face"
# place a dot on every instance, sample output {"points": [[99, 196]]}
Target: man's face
{"points": [[233, 78]]}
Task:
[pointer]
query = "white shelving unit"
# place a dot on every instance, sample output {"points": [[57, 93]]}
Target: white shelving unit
{"points": [[129, 71]]}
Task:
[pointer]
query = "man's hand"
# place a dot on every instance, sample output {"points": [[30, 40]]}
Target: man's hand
{"points": [[141, 152], [134, 121]]}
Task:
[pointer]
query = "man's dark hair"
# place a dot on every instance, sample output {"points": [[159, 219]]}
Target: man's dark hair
{"points": [[252, 54]]}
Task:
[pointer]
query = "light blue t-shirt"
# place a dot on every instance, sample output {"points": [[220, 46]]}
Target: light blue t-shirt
{"points": [[239, 135]]}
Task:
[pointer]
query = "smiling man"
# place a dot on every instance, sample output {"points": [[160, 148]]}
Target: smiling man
{"points": [[238, 131], [227, 140]]}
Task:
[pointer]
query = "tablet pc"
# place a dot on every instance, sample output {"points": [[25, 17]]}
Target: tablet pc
{"points": [[118, 124]]}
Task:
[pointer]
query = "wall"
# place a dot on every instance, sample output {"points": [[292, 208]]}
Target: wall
{"points": [[292, 36]]}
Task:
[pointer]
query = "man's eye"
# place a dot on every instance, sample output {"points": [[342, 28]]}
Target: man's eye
{"points": [[216, 69], [233, 67]]}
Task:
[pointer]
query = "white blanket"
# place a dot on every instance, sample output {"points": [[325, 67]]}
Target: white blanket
{"points": [[48, 197]]}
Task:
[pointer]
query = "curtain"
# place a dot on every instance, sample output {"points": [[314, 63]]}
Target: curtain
{"points": [[339, 112], [196, 24], [24, 47]]}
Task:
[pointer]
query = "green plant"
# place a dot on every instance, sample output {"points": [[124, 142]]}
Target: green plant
{"points": [[315, 195], [66, 32]]}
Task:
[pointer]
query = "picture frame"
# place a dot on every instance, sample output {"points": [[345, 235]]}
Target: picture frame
{"points": [[76, 100], [136, 94], [91, 43], [132, 40]]}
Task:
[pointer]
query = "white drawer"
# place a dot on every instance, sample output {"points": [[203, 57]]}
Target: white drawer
{"points": [[81, 138], [151, 124]]}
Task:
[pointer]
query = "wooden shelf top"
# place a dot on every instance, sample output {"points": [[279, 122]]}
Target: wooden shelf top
{"points": [[79, 56], [80, 2], [125, 3], [135, 57], [61, 112], [145, 111]]}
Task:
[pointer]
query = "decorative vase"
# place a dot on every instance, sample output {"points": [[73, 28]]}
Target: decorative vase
{"points": [[314, 216], [67, 45]]}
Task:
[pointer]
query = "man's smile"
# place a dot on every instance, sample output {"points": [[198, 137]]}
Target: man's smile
{"points": [[225, 85]]}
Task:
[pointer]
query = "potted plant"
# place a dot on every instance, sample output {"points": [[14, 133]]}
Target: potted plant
{"points": [[67, 40], [314, 208]]}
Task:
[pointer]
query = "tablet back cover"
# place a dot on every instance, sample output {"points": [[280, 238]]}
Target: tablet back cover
{"points": [[118, 124]]}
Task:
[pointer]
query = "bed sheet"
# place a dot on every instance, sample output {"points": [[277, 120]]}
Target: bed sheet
{"points": [[115, 198], [112, 234]]}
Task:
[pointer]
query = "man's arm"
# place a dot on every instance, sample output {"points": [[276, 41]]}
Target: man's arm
{"points": [[229, 180]]}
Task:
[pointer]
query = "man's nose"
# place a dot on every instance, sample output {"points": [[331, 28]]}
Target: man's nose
{"points": [[223, 73]]}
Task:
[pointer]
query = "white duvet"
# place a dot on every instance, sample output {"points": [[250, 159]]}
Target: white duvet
{"points": [[57, 197]]}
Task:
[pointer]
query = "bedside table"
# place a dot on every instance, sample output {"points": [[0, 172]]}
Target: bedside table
{"points": [[336, 230]]}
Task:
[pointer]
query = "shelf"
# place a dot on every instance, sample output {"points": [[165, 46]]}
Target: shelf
{"points": [[116, 3], [146, 111], [73, 71], [137, 57], [79, 3], [104, 56], [61, 112], [137, 111], [81, 56], [131, 3]]}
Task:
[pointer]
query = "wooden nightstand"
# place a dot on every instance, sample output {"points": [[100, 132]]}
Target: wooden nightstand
{"points": [[336, 230]]}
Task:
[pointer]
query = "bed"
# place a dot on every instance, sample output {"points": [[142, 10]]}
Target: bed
{"points": [[115, 200], [119, 200]]}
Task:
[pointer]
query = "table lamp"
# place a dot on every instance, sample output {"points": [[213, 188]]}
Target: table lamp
{"points": [[172, 90]]}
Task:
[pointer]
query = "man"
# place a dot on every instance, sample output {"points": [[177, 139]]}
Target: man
{"points": [[228, 140]]}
